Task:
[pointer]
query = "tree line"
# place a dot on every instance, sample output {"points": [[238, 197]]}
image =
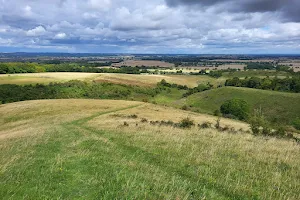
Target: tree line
{"points": [[19, 67], [74, 89], [276, 84]]}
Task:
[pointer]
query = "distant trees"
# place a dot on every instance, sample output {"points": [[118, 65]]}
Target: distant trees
{"points": [[72, 89], [260, 65], [199, 88], [215, 74], [164, 83], [286, 84], [18, 67]]}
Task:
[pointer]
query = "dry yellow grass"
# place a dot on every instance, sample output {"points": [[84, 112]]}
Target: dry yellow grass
{"points": [[64, 148], [128, 79], [155, 112], [28, 78], [30, 117], [152, 80], [147, 63]]}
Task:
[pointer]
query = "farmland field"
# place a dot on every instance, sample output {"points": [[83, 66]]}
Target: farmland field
{"points": [[151, 80], [127, 79], [69, 149], [147, 63], [32, 78], [256, 73]]}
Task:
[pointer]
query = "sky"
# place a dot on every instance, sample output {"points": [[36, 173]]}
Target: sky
{"points": [[151, 26]]}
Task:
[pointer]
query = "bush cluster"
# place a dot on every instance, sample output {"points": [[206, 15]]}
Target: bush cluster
{"points": [[237, 108]]}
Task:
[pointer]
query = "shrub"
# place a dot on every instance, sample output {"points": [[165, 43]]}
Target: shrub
{"points": [[217, 113], [259, 124], [167, 123], [126, 124], [144, 120], [266, 129], [184, 107], [296, 123], [218, 123], [134, 116], [257, 121], [236, 107], [186, 123], [205, 125], [280, 132]]}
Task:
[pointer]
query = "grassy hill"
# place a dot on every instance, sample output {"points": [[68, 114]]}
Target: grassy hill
{"points": [[72, 149], [277, 106]]}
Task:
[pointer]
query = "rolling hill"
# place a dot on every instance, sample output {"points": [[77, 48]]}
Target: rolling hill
{"points": [[277, 106], [113, 149]]}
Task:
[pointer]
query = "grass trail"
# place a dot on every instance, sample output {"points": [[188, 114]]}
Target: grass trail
{"points": [[75, 160]]}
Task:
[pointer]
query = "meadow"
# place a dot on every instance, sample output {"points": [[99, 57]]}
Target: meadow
{"points": [[83, 149]]}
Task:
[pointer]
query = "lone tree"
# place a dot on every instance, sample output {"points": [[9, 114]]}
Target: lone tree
{"points": [[238, 108]]}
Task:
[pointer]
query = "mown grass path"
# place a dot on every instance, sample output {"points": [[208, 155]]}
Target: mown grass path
{"points": [[140, 155]]}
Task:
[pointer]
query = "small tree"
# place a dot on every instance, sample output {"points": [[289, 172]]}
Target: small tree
{"points": [[259, 124], [236, 107]]}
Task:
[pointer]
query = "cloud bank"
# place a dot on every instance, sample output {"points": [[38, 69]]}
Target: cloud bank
{"points": [[157, 26]]}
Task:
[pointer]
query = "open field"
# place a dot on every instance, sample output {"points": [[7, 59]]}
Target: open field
{"points": [[174, 70], [256, 73], [151, 80], [231, 66], [147, 63], [33, 78], [294, 64], [69, 149], [220, 67], [277, 106], [127, 79]]}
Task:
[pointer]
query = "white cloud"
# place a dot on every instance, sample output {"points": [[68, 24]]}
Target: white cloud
{"points": [[27, 10], [60, 36], [99, 4], [5, 41], [37, 31], [150, 26]]}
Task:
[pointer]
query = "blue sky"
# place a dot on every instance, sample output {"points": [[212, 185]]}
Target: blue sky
{"points": [[156, 26]]}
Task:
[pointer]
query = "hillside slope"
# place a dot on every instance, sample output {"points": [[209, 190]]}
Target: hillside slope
{"points": [[277, 106], [106, 149]]}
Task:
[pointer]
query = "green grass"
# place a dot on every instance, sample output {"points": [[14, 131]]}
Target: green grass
{"points": [[168, 96], [279, 107], [73, 157]]}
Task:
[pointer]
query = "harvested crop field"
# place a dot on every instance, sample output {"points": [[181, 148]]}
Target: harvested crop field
{"points": [[147, 63], [152, 80], [32, 78]]}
